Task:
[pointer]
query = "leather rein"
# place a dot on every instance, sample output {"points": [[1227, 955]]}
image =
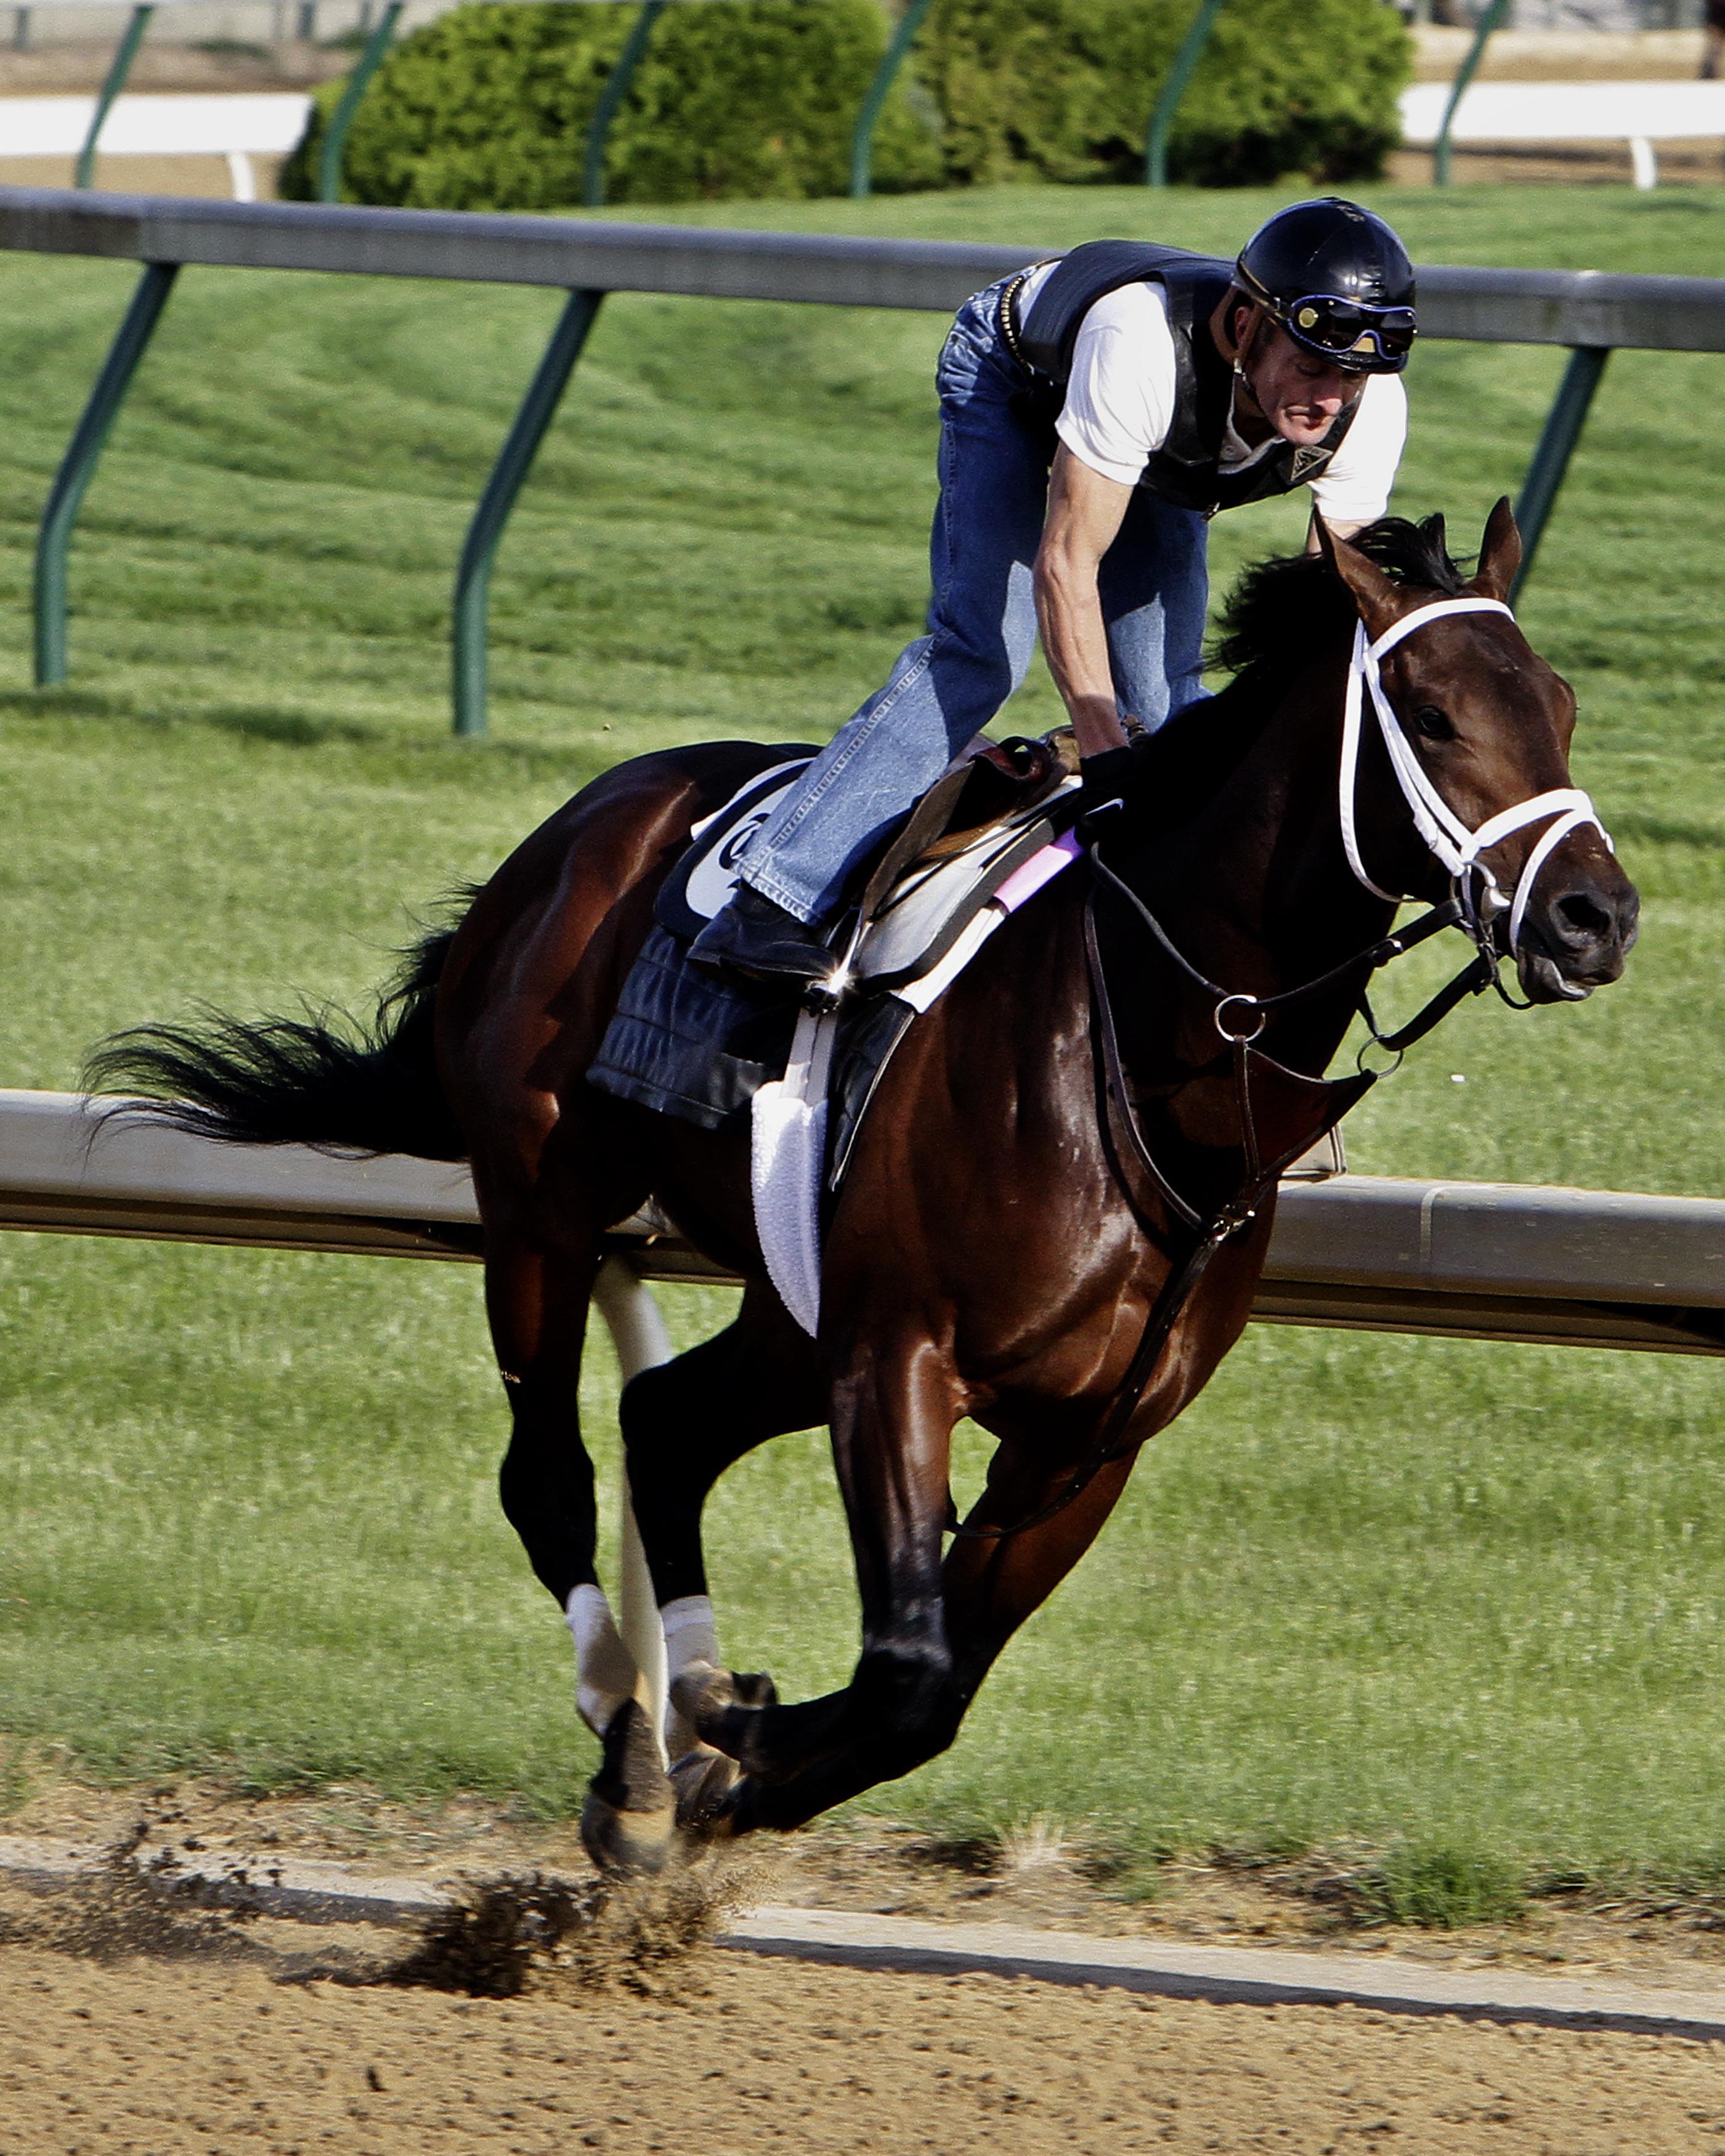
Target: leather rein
{"points": [[1473, 906]]}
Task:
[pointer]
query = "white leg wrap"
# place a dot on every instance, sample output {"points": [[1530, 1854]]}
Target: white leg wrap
{"points": [[604, 1668], [689, 1632], [691, 1641]]}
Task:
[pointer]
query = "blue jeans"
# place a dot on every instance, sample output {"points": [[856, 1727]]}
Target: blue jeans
{"points": [[997, 443]]}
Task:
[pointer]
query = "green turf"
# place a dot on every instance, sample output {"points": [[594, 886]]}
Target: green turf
{"points": [[1369, 1587]]}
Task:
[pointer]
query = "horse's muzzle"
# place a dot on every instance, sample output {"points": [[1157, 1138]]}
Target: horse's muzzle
{"points": [[1576, 935]]}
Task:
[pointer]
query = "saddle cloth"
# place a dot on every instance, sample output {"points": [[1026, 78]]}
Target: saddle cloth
{"points": [[688, 1045]]}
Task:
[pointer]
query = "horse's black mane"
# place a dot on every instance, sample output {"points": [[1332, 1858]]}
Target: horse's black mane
{"points": [[1280, 613], [1280, 609]]}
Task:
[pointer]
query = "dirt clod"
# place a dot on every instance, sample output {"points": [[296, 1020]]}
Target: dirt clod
{"points": [[504, 1937], [131, 1904]]}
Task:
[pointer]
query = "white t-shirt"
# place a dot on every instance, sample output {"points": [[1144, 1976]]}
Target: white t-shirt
{"points": [[1120, 404]]}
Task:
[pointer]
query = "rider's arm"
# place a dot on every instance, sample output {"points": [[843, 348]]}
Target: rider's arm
{"points": [[1085, 514], [1339, 530], [1354, 491]]}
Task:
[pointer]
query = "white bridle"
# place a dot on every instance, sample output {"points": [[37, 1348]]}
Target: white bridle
{"points": [[1438, 825]]}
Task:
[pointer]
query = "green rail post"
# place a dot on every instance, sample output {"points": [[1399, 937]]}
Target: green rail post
{"points": [[479, 550], [611, 97], [862, 141], [118, 69], [335, 140], [1490, 21], [1173, 90], [1561, 431], [54, 538]]}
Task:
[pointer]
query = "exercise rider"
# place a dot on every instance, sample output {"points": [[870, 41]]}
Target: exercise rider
{"points": [[1095, 413]]}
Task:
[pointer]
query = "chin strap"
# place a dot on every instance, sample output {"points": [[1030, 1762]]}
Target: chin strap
{"points": [[1477, 890]]}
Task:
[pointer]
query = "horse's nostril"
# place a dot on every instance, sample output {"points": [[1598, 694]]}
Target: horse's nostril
{"points": [[1584, 916]]}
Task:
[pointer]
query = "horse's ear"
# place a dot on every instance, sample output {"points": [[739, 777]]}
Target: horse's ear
{"points": [[1500, 553], [1380, 598]]}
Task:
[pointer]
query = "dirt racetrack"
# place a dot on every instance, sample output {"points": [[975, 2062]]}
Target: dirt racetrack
{"points": [[158, 2056]]}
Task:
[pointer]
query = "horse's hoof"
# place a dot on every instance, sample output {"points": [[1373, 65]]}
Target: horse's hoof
{"points": [[628, 1822], [717, 1800], [704, 1694], [705, 1783]]}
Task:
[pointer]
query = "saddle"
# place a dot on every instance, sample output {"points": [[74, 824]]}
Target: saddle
{"points": [[990, 832]]}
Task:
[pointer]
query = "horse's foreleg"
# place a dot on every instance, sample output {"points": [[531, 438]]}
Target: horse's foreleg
{"points": [[994, 1579], [536, 1298], [893, 1411], [992, 1585]]}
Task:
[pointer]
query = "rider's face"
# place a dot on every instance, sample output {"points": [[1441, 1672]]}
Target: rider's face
{"points": [[1298, 393]]}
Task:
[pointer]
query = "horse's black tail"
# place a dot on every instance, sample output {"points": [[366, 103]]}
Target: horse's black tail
{"points": [[285, 1080]]}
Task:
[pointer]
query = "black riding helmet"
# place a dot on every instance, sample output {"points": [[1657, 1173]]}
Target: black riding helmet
{"points": [[1337, 280]]}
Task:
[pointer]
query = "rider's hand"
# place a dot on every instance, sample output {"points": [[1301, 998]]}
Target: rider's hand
{"points": [[1110, 774]]}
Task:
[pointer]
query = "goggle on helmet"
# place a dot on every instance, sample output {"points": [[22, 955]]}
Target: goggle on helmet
{"points": [[1350, 334], [1337, 280]]}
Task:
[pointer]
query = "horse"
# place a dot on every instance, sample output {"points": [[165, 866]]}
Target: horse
{"points": [[1056, 1212]]}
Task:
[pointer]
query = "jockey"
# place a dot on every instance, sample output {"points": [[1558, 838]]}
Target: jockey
{"points": [[1095, 411]]}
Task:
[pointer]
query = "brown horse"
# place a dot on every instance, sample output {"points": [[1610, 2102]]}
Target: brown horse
{"points": [[1076, 1124]]}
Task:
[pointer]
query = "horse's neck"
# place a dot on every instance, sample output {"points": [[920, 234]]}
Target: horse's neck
{"points": [[1255, 887]]}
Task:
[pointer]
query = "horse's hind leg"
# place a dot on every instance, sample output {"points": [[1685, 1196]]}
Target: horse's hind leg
{"points": [[684, 1423], [537, 1296]]}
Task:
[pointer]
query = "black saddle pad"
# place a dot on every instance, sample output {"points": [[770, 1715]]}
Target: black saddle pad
{"points": [[683, 1041], [687, 1044]]}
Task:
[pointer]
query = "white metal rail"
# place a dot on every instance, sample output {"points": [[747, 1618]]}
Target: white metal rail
{"points": [[1480, 1261]]}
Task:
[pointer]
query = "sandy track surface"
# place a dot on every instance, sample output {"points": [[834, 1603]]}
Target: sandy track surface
{"points": [[1047, 1881], [177, 2029], [161, 2056]]}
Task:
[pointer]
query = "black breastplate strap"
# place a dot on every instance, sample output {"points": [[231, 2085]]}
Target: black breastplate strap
{"points": [[1331, 1100], [1187, 469]]}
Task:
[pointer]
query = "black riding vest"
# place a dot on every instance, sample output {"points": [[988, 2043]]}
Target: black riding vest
{"points": [[1187, 469]]}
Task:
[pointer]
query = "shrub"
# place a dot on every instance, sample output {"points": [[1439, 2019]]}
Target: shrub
{"points": [[1063, 90], [488, 108]]}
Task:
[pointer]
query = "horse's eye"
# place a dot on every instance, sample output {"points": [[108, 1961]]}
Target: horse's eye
{"points": [[1431, 724]]}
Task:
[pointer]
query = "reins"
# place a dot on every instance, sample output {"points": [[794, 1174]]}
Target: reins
{"points": [[1457, 849], [1470, 981], [1242, 1208]]}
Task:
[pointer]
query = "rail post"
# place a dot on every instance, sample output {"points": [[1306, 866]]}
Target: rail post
{"points": [[1490, 21], [118, 69], [473, 577], [335, 140], [611, 97], [1558, 438], [862, 141], [54, 538], [632, 1317], [1162, 120]]}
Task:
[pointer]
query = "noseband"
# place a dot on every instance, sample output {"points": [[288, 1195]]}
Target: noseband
{"points": [[1477, 891]]}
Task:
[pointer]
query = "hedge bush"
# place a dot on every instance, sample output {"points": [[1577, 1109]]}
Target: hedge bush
{"points": [[1063, 90], [488, 108]]}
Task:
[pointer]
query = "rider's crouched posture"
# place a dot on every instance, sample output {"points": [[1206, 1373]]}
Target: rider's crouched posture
{"points": [[1095, 413]]}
